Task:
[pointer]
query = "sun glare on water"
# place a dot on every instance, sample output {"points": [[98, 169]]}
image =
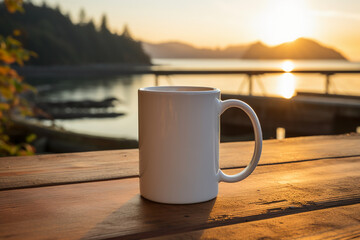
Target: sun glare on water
{"points": [[286, 85]]}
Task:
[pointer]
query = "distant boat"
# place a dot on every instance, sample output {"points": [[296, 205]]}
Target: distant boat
{"points": [[76, 109]]}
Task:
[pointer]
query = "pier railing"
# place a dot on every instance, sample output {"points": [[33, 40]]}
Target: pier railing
{"points": [[249, 73]]}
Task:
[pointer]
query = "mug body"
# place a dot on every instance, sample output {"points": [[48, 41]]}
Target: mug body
{"points": [[179, 144]]}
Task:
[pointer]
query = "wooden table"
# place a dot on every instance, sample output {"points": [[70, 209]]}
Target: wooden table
{"points": [[303, 188]]}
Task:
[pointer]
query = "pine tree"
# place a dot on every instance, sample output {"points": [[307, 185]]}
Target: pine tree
{"points": [[82, 17], [126, 33], [103, 25]]}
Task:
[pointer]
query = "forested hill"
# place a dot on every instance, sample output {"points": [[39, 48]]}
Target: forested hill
{"points": [[58, 41]]}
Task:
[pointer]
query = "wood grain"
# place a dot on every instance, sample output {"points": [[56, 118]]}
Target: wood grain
{"points": [[114, 209], [334, 223], [55, 169]]}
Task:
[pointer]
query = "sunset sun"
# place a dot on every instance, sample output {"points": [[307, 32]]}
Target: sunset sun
{"points": [[283, 21]]}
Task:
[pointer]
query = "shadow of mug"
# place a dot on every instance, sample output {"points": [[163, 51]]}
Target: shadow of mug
{"points": [[141, 218]]}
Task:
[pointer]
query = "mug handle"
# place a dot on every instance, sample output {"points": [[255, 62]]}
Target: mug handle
{"points": [[258, 140]]}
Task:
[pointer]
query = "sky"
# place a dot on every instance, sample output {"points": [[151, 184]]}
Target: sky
{"points": [[219, 23]]}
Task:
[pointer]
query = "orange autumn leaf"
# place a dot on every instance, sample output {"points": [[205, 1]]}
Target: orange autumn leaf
{"points": [[6, 57], [4, 70], [11, 87], [12, 73], [4, 106], [16, 32], [14, 5]]}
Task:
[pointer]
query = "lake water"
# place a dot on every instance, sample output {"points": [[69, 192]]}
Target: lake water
{"points": [[125, 88]]}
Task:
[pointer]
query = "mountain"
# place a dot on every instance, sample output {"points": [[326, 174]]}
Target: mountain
{"points": [[58, 41], [302, 48], [183, 50]]}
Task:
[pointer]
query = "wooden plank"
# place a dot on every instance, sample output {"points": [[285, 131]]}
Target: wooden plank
{"points": [[333, 223], [45, 170], [42, 170], [114, 209]]}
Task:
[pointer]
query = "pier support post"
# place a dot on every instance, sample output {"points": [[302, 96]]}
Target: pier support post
{"points": [[327, 84], [250, 84], [156, 80]]}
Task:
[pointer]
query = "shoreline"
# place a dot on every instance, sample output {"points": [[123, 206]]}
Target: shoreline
{"points": [[96, 70]]}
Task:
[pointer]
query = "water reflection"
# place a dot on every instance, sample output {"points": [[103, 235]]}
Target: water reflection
{"points": [[123, 88], [78, 89], [286, 85]]}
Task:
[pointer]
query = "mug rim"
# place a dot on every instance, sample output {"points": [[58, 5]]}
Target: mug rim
{"points": [[180, 89]]}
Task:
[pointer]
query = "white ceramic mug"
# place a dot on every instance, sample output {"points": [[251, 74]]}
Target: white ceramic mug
{"points": [[179, 143]]}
